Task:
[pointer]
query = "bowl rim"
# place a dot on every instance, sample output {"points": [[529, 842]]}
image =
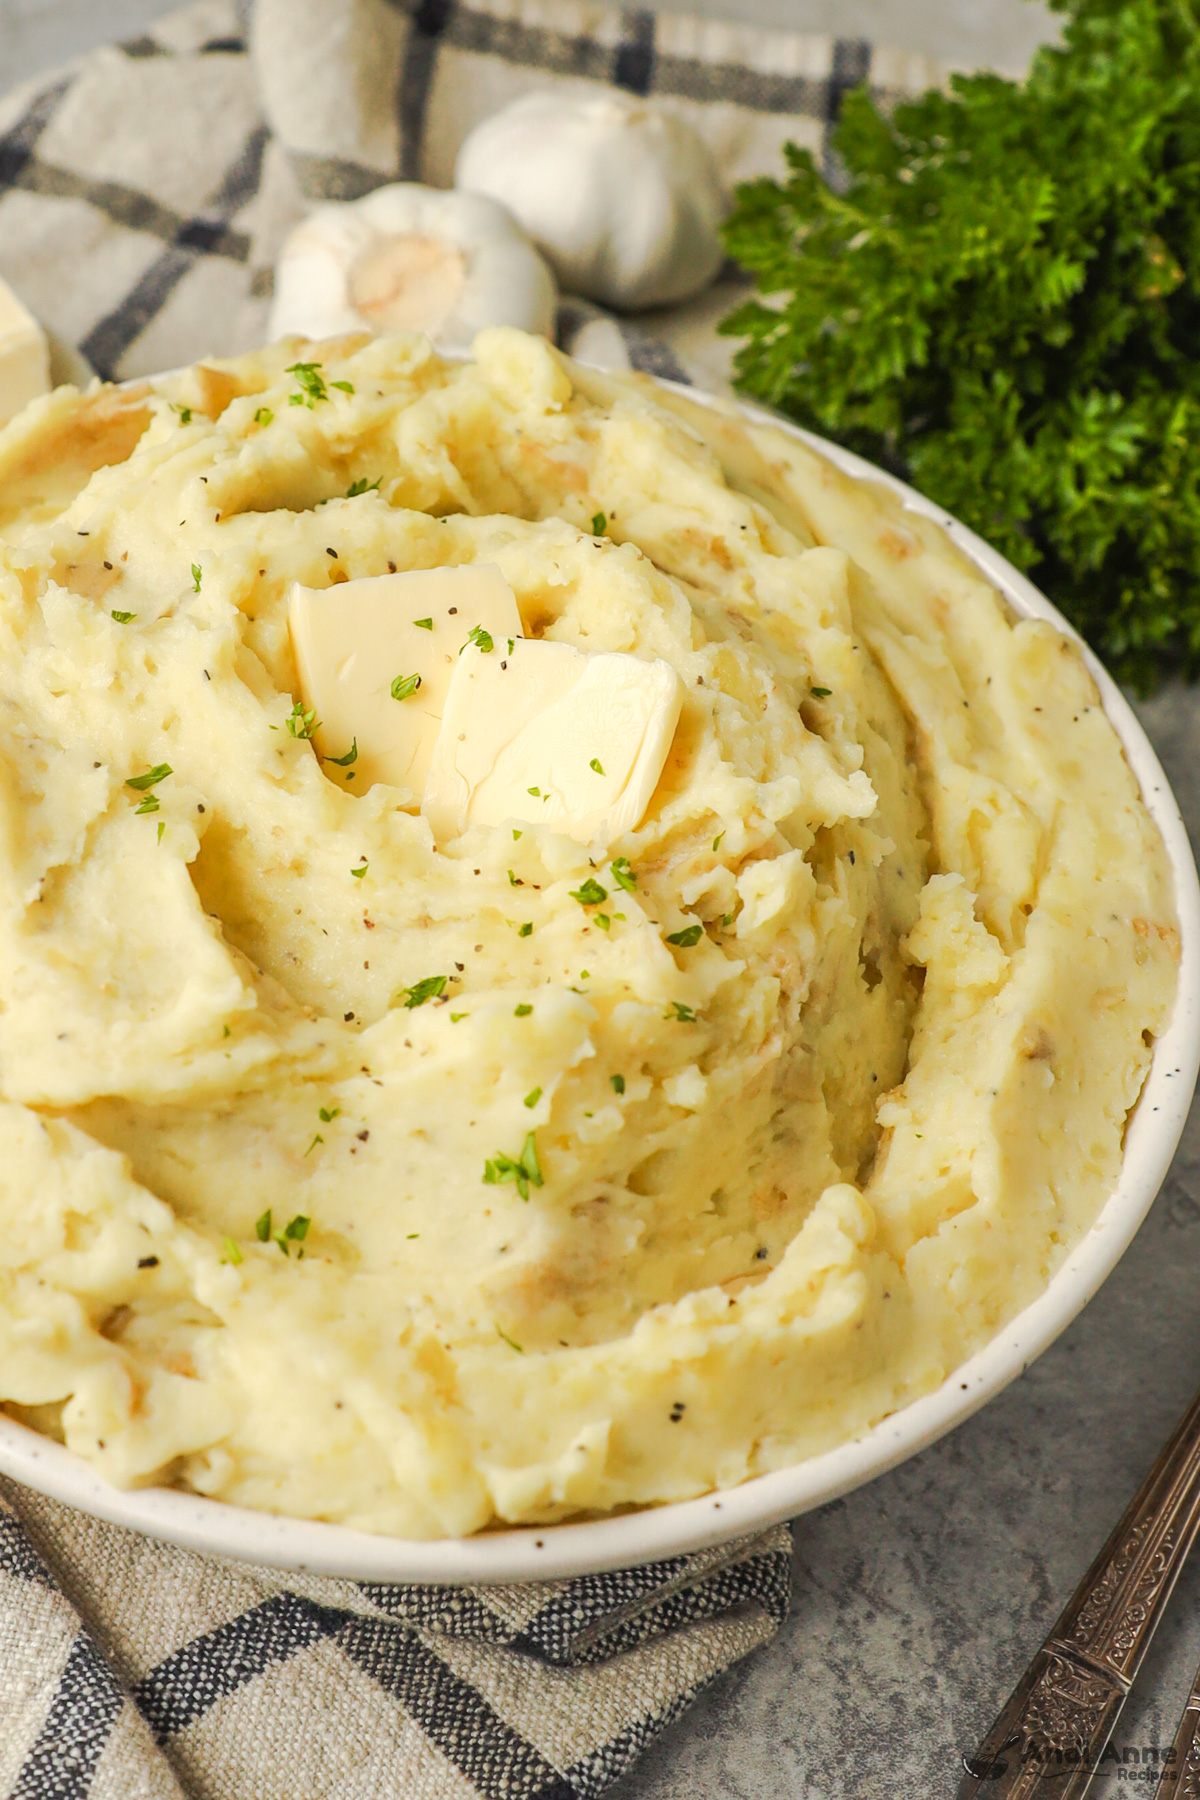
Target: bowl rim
{"points": [[522, 1553]]}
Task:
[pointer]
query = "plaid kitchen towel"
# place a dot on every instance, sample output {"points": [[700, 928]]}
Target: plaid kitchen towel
{"points": [[131, 1669], [146, 189], [144, 193]]}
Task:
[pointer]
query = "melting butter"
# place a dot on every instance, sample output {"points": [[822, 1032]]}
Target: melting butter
{"points": [[354, 641], [554, 736]]}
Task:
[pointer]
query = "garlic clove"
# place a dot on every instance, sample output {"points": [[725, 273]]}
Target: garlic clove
{"points": [[622, 197], [411, 258]]}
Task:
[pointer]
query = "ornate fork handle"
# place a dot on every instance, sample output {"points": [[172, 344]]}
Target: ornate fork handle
{"points": [[1051, 1733]]}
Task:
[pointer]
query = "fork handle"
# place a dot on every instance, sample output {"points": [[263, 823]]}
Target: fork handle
{"points": [[1052, 1730]]}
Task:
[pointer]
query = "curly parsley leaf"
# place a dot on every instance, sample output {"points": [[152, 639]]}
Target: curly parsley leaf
{"points": [[309, 381], [687, 938], [302, 721], [431, 988], [589, 893], [151, 778], [524, 1170], [1001, 303]]}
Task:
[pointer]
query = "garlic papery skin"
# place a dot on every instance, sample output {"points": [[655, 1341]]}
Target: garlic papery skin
{"points": [[623, 199], [411, 258]]}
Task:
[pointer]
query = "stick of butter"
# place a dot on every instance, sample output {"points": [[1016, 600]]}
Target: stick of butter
{"points": [[24, 356], [359, 644], [555, 736]]}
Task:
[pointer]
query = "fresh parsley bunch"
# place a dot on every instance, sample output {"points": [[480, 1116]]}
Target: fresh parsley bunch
{"points": [[1002, 304]]}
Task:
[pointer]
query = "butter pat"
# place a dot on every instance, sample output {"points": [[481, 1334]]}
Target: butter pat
{"points": [[354, 641], [554, 736], [24, 356]]}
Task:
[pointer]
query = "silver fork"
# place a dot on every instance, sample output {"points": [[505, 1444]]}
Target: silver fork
{"points": [[1052, 1730]]}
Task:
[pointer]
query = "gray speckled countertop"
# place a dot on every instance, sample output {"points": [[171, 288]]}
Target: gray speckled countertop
{"points": [[920, 1598]]}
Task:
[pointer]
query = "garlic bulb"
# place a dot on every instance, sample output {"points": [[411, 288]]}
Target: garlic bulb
{"points": [[622, 199], [411, 258]]}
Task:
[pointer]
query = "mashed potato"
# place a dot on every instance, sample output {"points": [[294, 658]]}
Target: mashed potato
{"points": [[791, 1173]]}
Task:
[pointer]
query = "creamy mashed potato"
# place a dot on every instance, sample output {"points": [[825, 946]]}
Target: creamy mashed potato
{"points": [[791, 1174]]}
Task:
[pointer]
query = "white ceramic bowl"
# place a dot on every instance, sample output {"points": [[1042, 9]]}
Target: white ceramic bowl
{"points": [[572, 1549]]}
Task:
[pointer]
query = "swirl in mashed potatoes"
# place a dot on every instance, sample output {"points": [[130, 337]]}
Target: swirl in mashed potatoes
{"points": [[791, 1172]]}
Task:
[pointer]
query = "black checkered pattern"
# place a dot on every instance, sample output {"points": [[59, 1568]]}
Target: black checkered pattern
{"points": [[146, 259], [628, 1649]]}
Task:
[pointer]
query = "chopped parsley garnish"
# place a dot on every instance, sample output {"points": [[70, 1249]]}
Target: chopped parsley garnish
{"points": [[595, 764], [536, 792], [264, 416], [162, 826], [525, 1169], [517, 834], [727, 918], [599, 524], [523, 1010], [361, 870], [405, 686], [532, 1097], [262, 1227], [482, 640], [717, 840], [623, 875], [687, 938], [511, 1342], [294, 1232], [431, 988], [347, 387], [677, 1010], [327, 1114], [514, 880], [455, 1017], [301, 723], [151, 778], [510, 646], [351, 756], [197, 575], [617, 1083], [317, 1139], [123, 618], [525, 930], [232, 1253], [590, 893], [362, 485], [603, 921], [424, 624], [185, 412], [820, 693], [148, 805], [310, 382]]}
